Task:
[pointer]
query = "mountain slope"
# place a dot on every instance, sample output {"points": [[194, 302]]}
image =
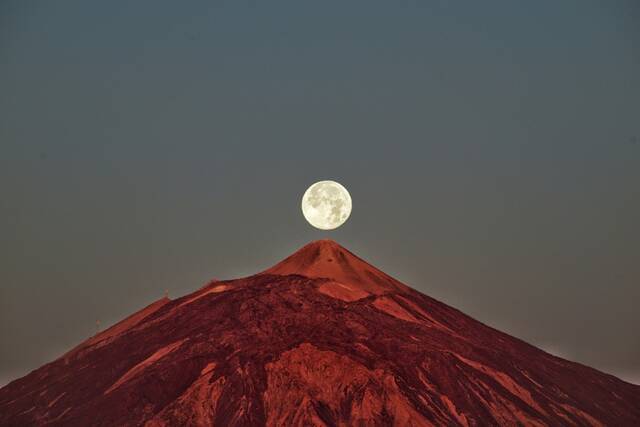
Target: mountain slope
{"points": [[322, 338]]}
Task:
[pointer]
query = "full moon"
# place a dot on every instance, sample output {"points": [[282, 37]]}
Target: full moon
{"points": [[326, 205]]}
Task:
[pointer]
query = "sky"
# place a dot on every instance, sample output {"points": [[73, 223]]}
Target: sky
{"points": [[492, 151]]}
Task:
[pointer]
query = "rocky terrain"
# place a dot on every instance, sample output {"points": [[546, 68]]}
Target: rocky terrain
{"points": [[320, 339]]}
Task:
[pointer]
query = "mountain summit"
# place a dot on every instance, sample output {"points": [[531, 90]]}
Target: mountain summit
{"points": [[320, 339], [327, 259]]}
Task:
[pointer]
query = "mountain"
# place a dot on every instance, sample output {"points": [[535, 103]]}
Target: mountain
{"points": [[320, 339]]}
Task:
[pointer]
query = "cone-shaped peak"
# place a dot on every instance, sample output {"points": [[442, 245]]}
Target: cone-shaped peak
{"points": [[324, 247], [357, 348], [327, 259]]}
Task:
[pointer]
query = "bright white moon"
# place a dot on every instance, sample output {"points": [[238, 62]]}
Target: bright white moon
{"points": [[326, 205]]}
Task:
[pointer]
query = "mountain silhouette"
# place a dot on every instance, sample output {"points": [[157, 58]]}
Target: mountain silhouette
{"points": [[321, 339]]}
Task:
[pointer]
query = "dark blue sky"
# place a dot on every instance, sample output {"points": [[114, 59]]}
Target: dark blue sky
{"points": [[492, 151]]}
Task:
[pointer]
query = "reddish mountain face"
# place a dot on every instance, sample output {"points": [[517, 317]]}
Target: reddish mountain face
{"points": [[321, 339]]}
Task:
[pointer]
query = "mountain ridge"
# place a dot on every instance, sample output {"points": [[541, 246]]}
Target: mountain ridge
{"points": [[321, 338]]}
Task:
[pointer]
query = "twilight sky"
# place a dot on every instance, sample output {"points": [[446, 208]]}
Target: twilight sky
{"points": [[492, 152]]}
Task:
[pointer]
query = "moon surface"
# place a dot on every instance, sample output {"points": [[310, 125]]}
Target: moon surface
{"points": [[326, 205]]}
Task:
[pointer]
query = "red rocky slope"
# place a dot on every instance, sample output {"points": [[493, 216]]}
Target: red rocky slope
{"points": [[322, 339]]}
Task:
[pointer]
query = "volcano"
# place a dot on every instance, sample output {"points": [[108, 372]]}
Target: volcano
{"points": [[321, 339]]}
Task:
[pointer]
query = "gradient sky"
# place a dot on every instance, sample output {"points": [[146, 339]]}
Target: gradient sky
{"points": [[492, 150]]}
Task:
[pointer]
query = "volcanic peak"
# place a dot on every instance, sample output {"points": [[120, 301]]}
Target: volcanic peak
{"points": [[328, 260], [345, 345]]}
